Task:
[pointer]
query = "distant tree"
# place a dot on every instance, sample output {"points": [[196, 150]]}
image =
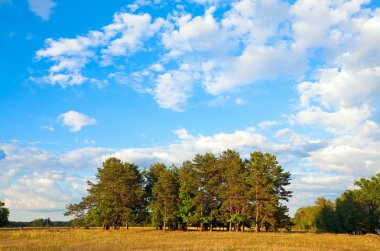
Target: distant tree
{"points": [[355, 211], [41, 223], [304, 218], [349, 212], [325, 220], [321, 217], [4, 214], [115, 199]]}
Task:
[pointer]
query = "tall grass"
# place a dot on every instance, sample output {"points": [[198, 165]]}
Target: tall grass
{"points": [[150, 239]]}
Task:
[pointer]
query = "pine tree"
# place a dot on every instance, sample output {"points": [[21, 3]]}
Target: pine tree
{"points": [[115, 199], [232, 189], [165, 192], [267, 181]]}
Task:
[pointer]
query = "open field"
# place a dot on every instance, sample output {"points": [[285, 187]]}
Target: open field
{"points": [[150, 239]]}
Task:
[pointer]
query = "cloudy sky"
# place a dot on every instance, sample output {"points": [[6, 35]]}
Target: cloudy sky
{"points": [[156, 80]]}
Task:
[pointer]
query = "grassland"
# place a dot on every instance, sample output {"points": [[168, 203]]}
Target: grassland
{"points": [[150, 239]]}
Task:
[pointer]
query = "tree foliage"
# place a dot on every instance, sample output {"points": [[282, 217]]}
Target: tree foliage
{"points": [[4, 214], [115, 199]]}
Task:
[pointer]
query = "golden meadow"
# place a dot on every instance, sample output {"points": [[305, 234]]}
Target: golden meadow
{"points": [[146, 238]]}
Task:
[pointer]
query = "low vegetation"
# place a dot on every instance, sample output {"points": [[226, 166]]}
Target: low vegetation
{"points": [[151, 239]]}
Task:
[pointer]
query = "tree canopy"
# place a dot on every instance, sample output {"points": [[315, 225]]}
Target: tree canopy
{"points": [[115, 199]]}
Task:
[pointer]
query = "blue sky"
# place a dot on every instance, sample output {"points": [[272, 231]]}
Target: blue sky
{"points": [[162, 80]]}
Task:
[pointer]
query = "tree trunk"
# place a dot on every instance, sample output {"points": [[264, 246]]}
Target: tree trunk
{"points": [[165, 214], [126, 225], [230, 228], [257, 217], [257, 209], [201, 228]]}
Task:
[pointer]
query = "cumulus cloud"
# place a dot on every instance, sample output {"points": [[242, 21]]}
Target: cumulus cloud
{"points": [[76, 120], [132, 28], [42, 8], [173, 89], [235, 49], [342, 120], [340, 88], [70, 56], [267, 123]]}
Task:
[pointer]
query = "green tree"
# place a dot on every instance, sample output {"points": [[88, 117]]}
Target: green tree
{"points": [[304, 218], [267, 181], [115, 199], [41, 223], [369, 195], [207, 178], [4, 214], [321, 217], [151, 177], [325, 220], [233, 189], [165, 193], [349, 212], [187, 193]]}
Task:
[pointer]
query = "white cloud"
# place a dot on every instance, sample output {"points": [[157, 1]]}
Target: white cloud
{"points": [[157, 67], [132, 28], [267, 123], [252, 41], [342, 88], [198, 34], [76, 120], [340, 121], [348, 155], [49, 128], [138, 4], [335, 23], [255, 63], [240, 101], [42, 8], [173, 89], [70, 56]]}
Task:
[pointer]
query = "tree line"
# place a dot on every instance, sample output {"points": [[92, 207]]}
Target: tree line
{"points": [[206, 192], [356, 211]]}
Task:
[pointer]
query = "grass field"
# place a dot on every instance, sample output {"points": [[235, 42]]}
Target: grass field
{"points": [[150, 239]]}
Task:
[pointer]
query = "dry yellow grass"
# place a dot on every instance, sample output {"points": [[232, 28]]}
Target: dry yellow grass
{"points": [[150, 239]]}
